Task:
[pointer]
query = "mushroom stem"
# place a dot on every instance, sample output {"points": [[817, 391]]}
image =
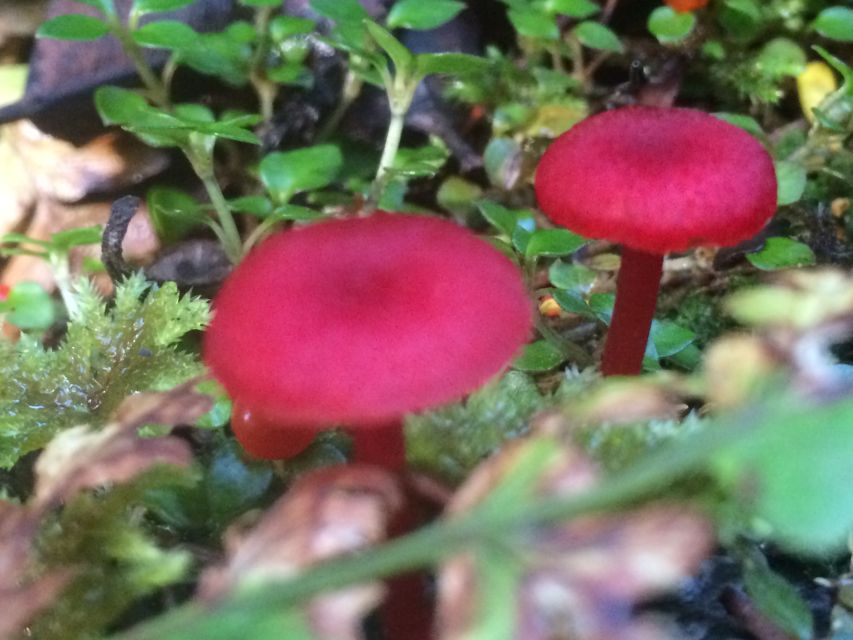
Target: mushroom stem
{"points": [[636, 297], [382, 445]]}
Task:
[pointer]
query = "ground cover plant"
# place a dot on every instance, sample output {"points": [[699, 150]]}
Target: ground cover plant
{"points": [[397, 426]]}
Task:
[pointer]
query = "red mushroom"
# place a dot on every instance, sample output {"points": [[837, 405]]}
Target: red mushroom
{"points": [[655, 180], [358, 322]]}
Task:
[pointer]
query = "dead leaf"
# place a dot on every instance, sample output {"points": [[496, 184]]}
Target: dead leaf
{"points": [[22, 596], [67, 173], [326, 513], [577, 580], [80, 458]]}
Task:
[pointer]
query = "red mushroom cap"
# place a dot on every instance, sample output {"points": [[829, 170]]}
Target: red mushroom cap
{"points": [[658, 180], [359, 321]]}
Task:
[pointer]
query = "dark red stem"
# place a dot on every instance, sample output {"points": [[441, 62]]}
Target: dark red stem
{"points": [[382, 445], [407, 611], [636, 298]]}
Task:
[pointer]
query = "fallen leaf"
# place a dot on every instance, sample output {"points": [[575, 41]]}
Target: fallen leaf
{"points": [[80, 458], [578, 580], [326, 513]]}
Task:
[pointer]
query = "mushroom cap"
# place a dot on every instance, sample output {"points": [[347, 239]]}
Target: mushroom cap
{"points": [[362, 320], [658, 180]]}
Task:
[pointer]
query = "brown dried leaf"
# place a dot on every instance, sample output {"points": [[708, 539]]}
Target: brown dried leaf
{"points": [[79, 458], [67, 173], [580, 579], [20, 596], [326, 513]]}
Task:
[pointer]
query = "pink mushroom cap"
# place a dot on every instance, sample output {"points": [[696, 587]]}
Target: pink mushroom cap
{"points": [[658, 180], [362, 320]]}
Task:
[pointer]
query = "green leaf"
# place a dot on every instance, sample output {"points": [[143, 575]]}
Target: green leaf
{"points": [[747, 123], [63, 240], [73, 26], [29, 307], [417, 14], [119, 106], [422, 162], [539, 356], [165, 34], [596, 36], [782, 253], [781, 57], [573, 302], [670, 26], [530, 22], [294, 212], [286, 173], [553, 243], [670, 338], [258, 206], [579, 9], [456, 64], [141, 7], [283, 27], [741, 18], [791, 472], [174, 213], [791, 181], [340, 10], [260, 3], [503, 219], [402, 58], [574, 277], [777, 599], [835, 23]]}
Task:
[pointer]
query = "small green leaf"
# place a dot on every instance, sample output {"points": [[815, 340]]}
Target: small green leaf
{"points": [[553, 242], [835, 23], [791, 181], [456, 64], [165, 34], [260, 3], [422, 161], [119, 106], [503, 219], [173, 212], [573, 302], [401, 57], [596, 36], [539, 356], [294, 212], [64, 240], [29, 307], [340, 10], [141, 7], [574, 277], [73, 26], [258, 206], [417, 14], [105, 7], [670, 338], [747, 123], [283, 27], [285, 173], [741, 18], [532, 23], [579, 9], [670, 26], [782, 253], [781, 57]]}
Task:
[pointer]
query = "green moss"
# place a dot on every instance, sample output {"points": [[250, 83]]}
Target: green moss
{"points": [[106, 355]]}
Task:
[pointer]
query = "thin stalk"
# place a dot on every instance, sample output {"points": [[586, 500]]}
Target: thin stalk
{"points": [[351, 90], [636, 297], [401, 92], [231, 242], [265, 89], [434, 543], [156, 89]]}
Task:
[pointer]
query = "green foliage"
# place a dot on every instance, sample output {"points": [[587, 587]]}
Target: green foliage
{"points": [[73, 26], [29, 307], [106, 355], [286, 173], [835, 23], [106, 538], [452, 440], [782, 253], [670, 26]]}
